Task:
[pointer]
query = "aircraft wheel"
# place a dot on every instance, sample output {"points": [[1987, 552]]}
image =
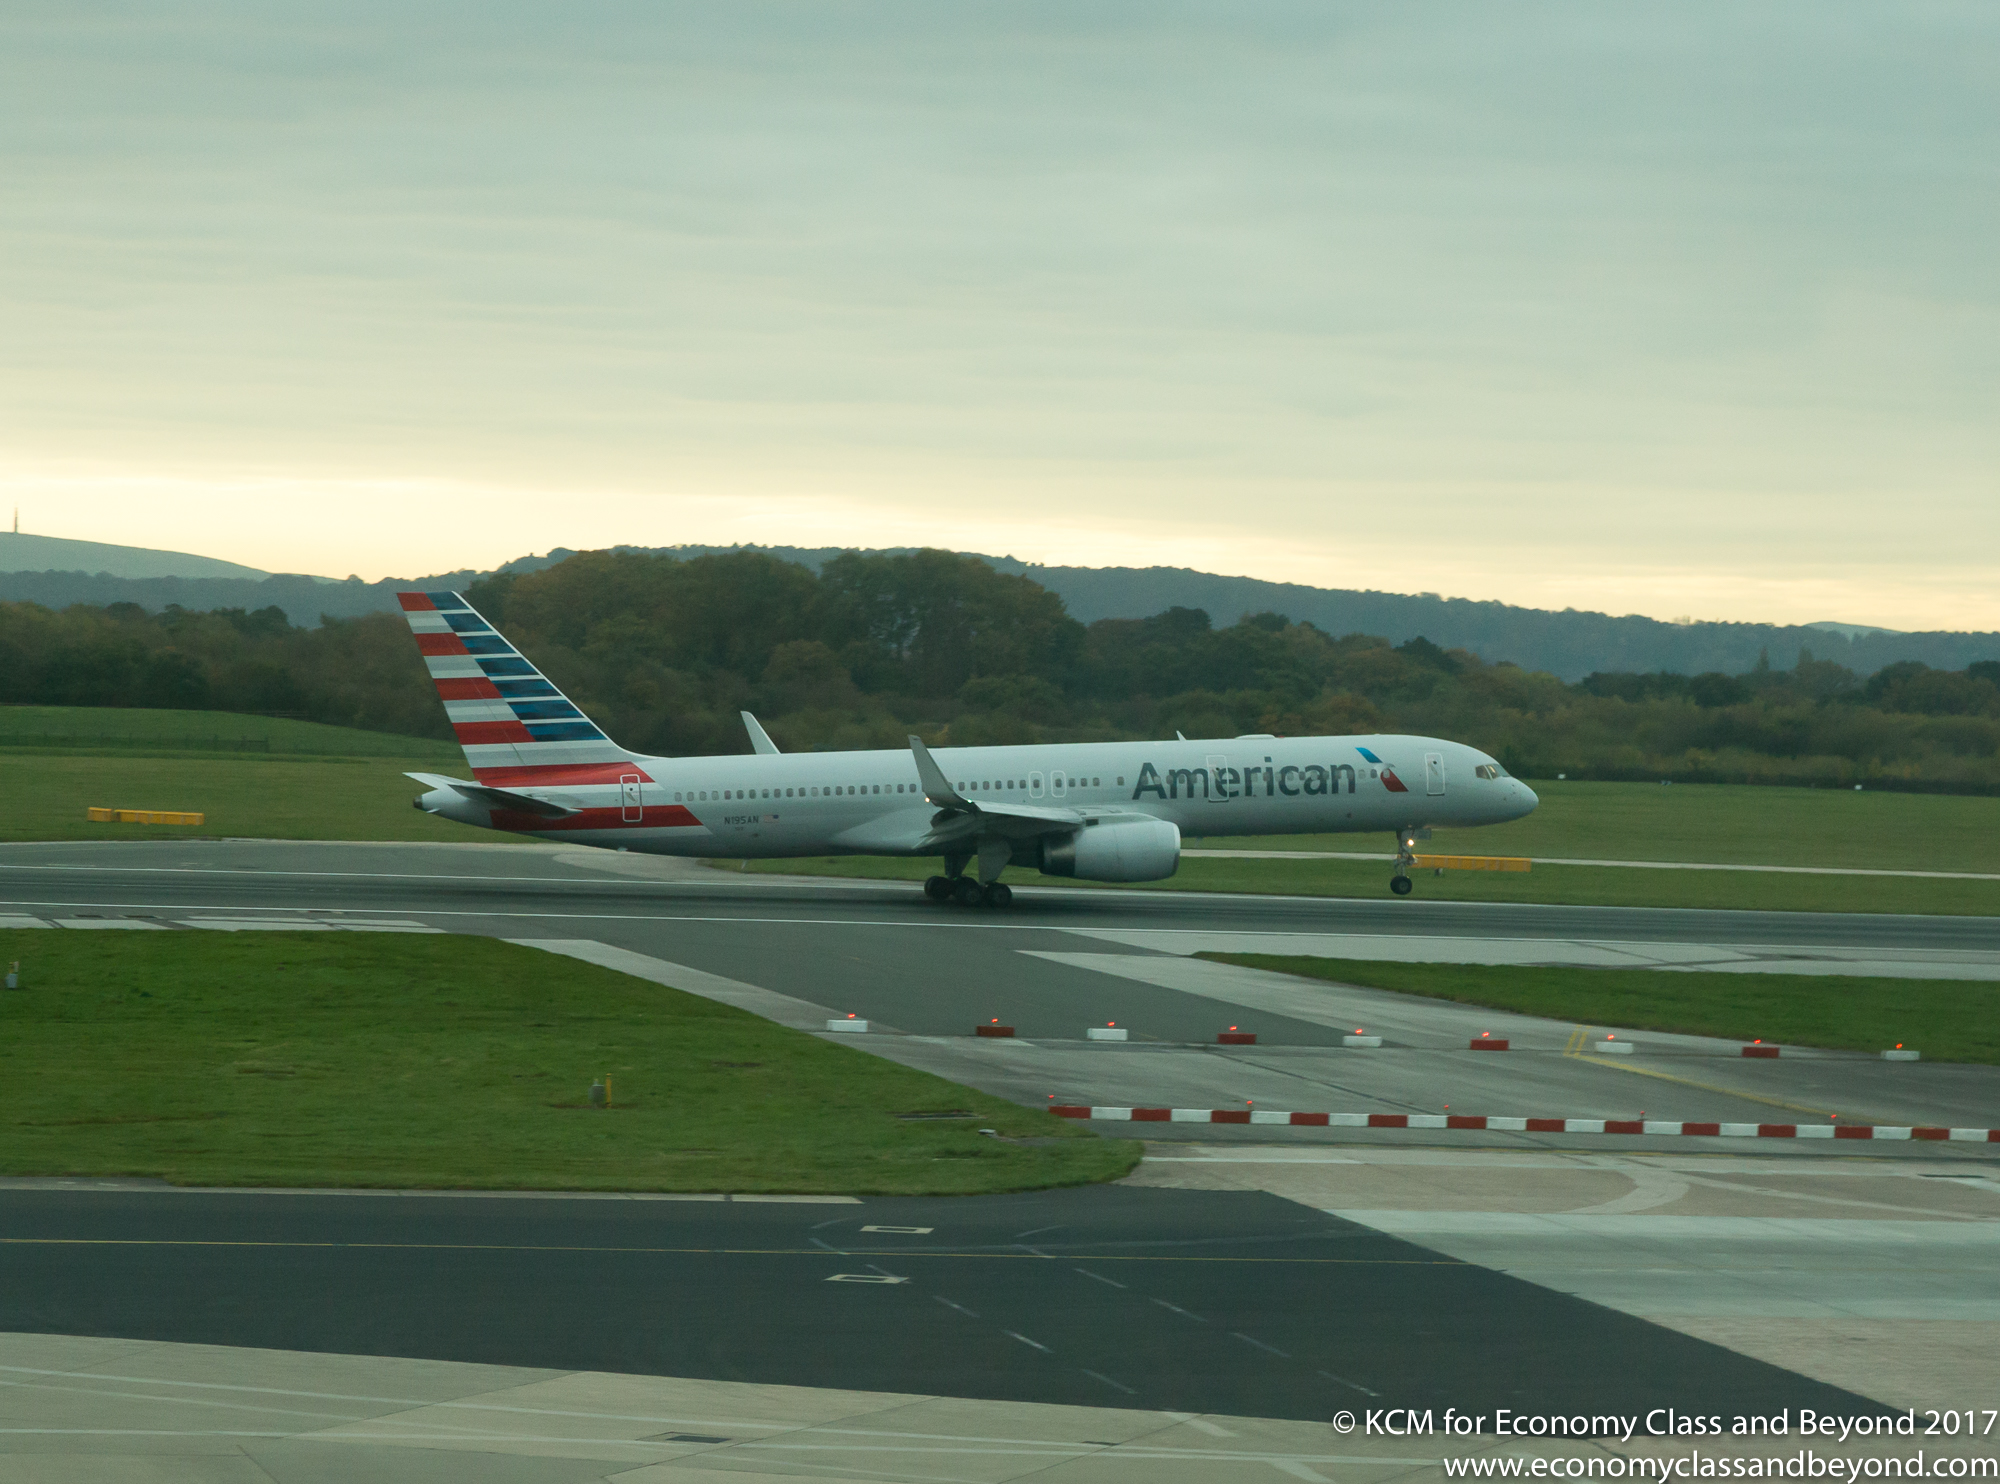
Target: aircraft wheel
{"points": [[1400, 885], [998, 895], [938, 888], [967, 892]]}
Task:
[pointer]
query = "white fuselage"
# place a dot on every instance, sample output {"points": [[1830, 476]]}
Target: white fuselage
{"points": [[824, 803]]}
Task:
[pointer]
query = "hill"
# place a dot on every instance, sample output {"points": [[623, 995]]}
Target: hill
{"points": [[1568, 644], [30, 553], [665, 652]]}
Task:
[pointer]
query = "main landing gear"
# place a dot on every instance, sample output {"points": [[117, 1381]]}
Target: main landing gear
{"points": [[964, 891]]}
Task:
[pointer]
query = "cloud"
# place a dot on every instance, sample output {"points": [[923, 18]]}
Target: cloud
{"points": [[1529, 301]]}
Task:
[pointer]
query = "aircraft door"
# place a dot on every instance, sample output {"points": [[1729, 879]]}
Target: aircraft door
{"points": [[1058, 784], [1218, 770], [1433, 773], [1036, 787], [631, 803]]}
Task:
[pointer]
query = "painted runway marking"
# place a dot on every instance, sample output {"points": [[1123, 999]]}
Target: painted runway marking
{"points": [[950, 1305], [823, 1251], [1748, 1097], [1248, 1340], [1345, 1382], [975, 925], [1176, 1308], [1557, 860], [1100, 1278], [1026, 1341], [1199, 1424], [1116, 1385]]}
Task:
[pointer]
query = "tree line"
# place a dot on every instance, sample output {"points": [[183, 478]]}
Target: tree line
{"points": [[664, 653]]}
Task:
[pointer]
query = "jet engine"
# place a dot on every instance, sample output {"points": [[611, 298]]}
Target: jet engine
{"points": [[1116, 850]]}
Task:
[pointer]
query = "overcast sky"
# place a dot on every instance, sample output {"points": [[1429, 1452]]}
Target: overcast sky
{"points": [[1688, 309]]}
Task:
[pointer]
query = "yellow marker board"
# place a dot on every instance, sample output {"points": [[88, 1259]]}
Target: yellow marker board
{"points": [[1473, 862], [143, 816]]}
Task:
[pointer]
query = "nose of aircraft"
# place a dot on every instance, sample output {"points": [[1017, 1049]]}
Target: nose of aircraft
{"points": [[1525, 800]]}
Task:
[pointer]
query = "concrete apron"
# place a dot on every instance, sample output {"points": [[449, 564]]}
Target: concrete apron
{"points": [[80, 1409], [1881, 1276]]}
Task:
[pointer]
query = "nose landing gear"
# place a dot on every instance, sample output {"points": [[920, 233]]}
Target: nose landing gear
{"points": [[1406, 857]]}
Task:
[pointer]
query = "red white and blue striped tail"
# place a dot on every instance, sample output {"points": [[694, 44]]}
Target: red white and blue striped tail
{"points": [[514, 725]]}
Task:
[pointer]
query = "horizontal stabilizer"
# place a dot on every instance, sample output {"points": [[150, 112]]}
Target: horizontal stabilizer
{"points": [[497, 798]]}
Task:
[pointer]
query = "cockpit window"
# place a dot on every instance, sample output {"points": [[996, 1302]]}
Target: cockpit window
{"points": [[1489, 770]]}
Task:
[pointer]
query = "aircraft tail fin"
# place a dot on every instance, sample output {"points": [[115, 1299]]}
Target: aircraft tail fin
{"points": [[513, 723]]}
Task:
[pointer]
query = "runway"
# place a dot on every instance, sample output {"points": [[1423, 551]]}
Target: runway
{"points": [[1063, 960], [1244, 1304]]}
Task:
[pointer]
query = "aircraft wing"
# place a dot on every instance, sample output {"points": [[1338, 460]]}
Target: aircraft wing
{"points": [[498, 798], [959, 816]]}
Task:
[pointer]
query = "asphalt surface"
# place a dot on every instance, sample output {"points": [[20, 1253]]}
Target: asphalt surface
{"points": [[877, 950], [1217, 1301], [501, 882], [924, 976], [1194, 1301]]}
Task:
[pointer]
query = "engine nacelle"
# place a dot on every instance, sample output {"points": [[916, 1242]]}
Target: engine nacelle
{"points": [[1124, 850]]}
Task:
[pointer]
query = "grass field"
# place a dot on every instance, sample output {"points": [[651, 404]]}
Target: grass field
{"points": [[1580, 886], [1946, 1019], [315, 1059], [43, 796], [1718, 823], [122, 729]]}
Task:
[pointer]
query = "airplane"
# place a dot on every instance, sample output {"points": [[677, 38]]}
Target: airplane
{"points": [[1095, 811]]}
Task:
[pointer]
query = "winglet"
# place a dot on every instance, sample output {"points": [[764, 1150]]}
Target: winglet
{"points": [[760, 740], [936, 789]]}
